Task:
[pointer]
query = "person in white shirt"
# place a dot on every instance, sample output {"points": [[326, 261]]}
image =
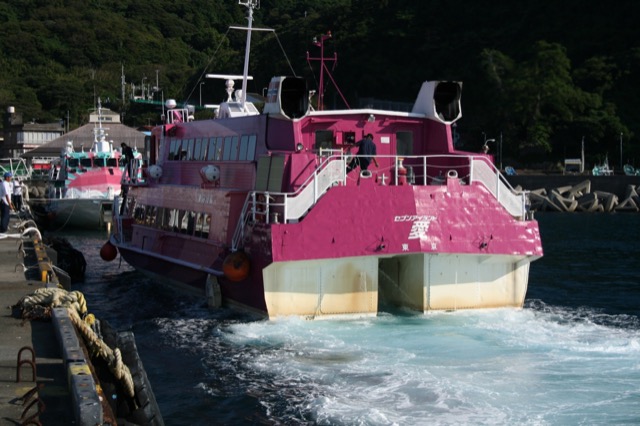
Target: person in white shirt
{"points": [[5, 204], [16, 197]]}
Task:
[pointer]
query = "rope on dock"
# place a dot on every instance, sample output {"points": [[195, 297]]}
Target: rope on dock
{"points": [[113, 356], [49, 298], [53, 298]]}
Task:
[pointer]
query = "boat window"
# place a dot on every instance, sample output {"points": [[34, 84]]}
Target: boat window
{"points": [[85, 162], [73, 162], [130, 205], [173, 219], [202, 227], [139, 214], [150, 216], [324, 139], [227, 148], [162, 218], [198, 153], [112, 162], [206, 225], [251, 149], [175, 149], [234, 148], [99, 162], [190, 145], [211, 152], [244, 145], [219, 149], [188, 223], [404, 143]]}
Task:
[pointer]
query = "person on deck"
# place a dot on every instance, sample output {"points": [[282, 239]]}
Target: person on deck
{"points": [[6, 189], [366, 153], [127, 153]]}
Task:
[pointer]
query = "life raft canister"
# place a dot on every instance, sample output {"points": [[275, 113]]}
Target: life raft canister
{"points": [[236, 266], [108, 252]]}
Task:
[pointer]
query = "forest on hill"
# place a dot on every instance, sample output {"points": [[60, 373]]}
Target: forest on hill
{"points": [[539, 76]]}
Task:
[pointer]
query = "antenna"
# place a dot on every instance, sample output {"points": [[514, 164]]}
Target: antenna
{"points": [[324, 68], [250, 4]]}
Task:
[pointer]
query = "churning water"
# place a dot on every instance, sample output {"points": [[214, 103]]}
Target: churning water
{"points": [[570, 357]]}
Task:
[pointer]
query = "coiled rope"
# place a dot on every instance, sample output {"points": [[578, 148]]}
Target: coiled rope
{"points": [[55, 298], [76, 305]]}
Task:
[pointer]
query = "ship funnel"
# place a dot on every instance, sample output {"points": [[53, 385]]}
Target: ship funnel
{"points": [[439, 100], [287, 97]]}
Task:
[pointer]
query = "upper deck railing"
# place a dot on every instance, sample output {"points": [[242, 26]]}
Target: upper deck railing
{"points": [[282, 207]]}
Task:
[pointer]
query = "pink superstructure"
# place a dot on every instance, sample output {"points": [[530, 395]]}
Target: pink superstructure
{"points": [[256, 209]]}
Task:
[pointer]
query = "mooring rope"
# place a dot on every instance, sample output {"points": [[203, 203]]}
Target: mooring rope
{"points": [[113, 356], [76, 305], [55, 298]]}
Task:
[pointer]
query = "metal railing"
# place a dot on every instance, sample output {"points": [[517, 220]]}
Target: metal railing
{"points": [[280, 207]]}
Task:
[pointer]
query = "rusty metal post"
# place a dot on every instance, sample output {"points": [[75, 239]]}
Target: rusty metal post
{"points": [[31, 362]]}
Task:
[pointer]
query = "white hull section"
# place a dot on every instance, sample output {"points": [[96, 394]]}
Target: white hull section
{"points": [[426, 282], [423, 282], [342, 287]]}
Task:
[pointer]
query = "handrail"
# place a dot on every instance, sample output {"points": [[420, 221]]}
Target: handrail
{"points": [[330, 172], [260, 205]]}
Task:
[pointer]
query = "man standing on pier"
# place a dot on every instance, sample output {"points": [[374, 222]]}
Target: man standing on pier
{"points": [[5, 205]]}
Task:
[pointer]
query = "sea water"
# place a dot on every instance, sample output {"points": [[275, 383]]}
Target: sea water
{"points": [[570, 357]]}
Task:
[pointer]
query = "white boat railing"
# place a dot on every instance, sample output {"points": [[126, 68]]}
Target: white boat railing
{"points": [[487, 174], [264, 205], [280, 207]]}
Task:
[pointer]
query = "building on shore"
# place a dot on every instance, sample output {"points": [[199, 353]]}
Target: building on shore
{"points": [[20, 136]]}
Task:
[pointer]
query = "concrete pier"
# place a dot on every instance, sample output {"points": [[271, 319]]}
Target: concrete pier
{"points": [[44, 393]]}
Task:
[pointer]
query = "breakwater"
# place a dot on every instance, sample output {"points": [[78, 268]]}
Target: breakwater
{"points": [[580, 193]]}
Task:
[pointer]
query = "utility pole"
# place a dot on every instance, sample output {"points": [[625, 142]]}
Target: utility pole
{"points": [[620, 150]]}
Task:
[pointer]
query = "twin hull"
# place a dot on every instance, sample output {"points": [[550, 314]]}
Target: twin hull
{"points": [[441, 247]]}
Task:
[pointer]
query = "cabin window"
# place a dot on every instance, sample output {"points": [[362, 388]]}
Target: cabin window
{"points": [[174, 220], [99, 162], [234, 148], [112, 162], [215, 149], [188, 223], [73, 162], [227, 148], [150, 216], [404, 143], [85, 163], [190, 147], [211, 149], [198, 153], [175, 149], [244, 142], [202, 225], [139, 214], [324, 140], [251, 149]]}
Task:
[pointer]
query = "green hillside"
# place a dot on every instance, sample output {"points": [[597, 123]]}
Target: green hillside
{"points": [[539, 74]]}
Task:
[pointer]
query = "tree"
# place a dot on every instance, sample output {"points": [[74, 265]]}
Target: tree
{"points": [[542, 106]]}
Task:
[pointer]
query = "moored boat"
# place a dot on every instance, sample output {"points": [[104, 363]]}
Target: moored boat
{"points": [[81, 185], [262, 210]]}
